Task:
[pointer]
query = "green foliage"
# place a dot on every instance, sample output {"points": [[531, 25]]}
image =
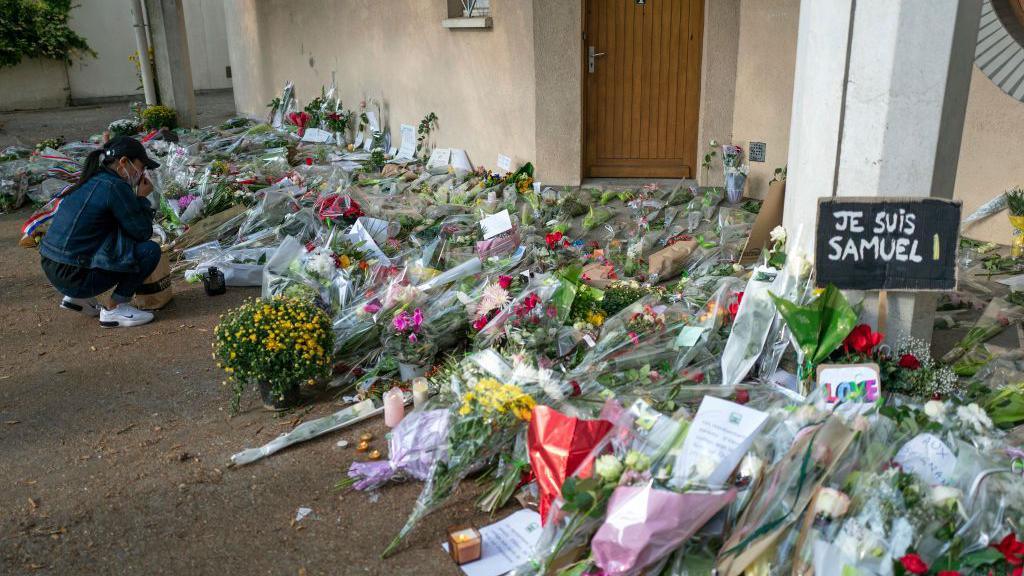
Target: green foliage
{"points": [[38, 29], [156, 117]]}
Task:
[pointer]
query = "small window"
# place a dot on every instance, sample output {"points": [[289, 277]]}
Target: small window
{"points": [[468, 14]]}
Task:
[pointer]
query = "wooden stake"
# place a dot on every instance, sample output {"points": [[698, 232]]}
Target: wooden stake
{"points": [[883, 311]]}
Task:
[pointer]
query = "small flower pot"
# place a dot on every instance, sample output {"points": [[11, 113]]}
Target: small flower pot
{"points": [[409, 371], [277, 402]]}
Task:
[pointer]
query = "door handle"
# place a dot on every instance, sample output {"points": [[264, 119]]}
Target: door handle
{"points": [[592, 55]]}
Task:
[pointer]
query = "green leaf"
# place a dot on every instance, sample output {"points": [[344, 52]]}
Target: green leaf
{"points": [[819, 327], [980, 558]]}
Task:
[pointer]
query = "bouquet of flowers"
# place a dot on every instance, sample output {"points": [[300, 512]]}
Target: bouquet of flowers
{"points": [[489, 415]]}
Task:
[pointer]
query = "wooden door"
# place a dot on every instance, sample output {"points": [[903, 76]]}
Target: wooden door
{"points": [[642, 98]]}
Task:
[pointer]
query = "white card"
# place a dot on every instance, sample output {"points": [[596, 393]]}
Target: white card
{"points": [[393, 152], [460, 160], [928, 458], [689, 336], [408, 146], [439, 157], [854, 388], [359, 140], [504, 164], [506, 544], [317, 135], [718, 438], [371, 119], [496, 224]]}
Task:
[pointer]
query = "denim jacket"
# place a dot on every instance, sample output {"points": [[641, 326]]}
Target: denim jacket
{"points": [[98, 225]]}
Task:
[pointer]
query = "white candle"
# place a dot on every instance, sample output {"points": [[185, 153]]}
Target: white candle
{"points": [[419, 391], [394, 407]]}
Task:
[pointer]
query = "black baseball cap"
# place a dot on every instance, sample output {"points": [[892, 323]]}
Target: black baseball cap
{"points": [[129, 148]]}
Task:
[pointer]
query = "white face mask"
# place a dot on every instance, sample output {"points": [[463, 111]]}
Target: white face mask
{"points": [[136, 179]]}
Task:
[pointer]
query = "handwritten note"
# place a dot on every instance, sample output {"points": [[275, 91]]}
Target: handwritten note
{"points": [[928, 458], [408, 146], [507, 544], [496, 224], [718, 438], [439, 157], [317, 135]]}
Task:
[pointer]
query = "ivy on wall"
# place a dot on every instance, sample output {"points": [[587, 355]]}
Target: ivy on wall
{"points": [[38, 29]]}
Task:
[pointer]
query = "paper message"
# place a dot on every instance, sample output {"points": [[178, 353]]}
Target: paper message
{"points": [[408, 147], [853, 387], [718, 438], [504, 164], [361, 236], [496, 224], [439, 157], [373, 126], [507, 544], [928, 458], [317, 135], [460, 161]]}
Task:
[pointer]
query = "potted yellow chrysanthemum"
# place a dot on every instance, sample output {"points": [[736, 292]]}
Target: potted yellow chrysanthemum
{"points": [[277, 344]]}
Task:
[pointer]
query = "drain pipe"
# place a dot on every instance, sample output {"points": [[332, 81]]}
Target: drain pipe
{"points": [[142, 45]]}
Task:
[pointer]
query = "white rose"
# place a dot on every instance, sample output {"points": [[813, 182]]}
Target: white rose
{"points": [[935, 410], [943, 494], [831, 503], [608, 468], [737, 267], [778, 234]]}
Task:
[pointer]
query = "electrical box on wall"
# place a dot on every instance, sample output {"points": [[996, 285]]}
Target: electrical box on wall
{"points": [[756, 153]]}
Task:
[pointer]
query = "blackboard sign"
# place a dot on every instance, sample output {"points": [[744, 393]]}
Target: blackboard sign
{"points": [[887, 243]]}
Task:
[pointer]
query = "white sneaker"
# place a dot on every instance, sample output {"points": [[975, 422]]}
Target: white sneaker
{"points": [[87, 306], [123, 316]]}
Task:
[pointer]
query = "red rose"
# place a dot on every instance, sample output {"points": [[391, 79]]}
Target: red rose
{"points": [[862, 340], [912, 563], [910, 362], [479, 324], [553, 239], [734, 308], [949, 573], [742, 396], [505, 282]]}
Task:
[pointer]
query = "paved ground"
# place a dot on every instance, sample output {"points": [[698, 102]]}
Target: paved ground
{"points": [[79, 122], [114, 444]]}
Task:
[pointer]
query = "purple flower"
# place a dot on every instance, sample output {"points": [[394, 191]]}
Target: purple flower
{"points": [[417, 318], [372, 307], [412, 337], [184, 201], [401, 321]]}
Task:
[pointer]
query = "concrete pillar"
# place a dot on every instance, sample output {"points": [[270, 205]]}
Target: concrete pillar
{"points": [[246, 42], [170, 55], [878, 109]]}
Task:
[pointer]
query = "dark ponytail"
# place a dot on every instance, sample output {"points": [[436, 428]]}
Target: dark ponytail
{"points": [[92, 166]]}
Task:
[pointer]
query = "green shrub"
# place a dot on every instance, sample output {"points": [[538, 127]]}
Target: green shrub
{"points": [[156, 117], [38, 29]]}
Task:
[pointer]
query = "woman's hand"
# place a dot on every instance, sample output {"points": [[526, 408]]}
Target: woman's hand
{"points": [[145, 186]]}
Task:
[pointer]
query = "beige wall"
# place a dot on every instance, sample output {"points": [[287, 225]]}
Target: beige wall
{"points": [[717, 78], [35, 83], [108, 27], [990, 157], [764, 84], [993, 127], [480, 83]]}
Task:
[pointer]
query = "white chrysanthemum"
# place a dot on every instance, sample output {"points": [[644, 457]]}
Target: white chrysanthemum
{"points": [[494, 297], [321, 264], [975, 416], [778, 234]]}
